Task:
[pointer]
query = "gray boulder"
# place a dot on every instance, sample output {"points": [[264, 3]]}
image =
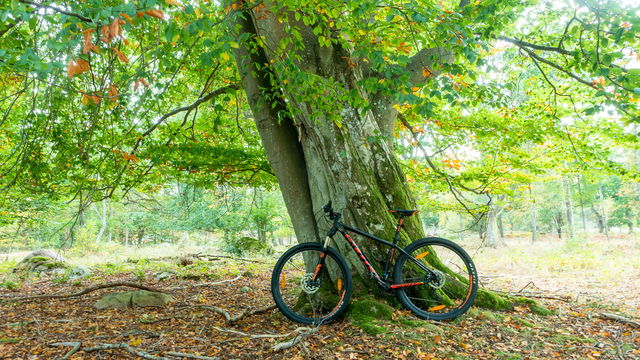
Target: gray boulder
{"points": [[128, 299]]}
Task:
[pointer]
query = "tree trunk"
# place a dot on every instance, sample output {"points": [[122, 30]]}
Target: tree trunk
{"points": [[534, 215], [320, 155], [581, 198], [568, 203], [604, 214], [599, 219], [103, 214]]}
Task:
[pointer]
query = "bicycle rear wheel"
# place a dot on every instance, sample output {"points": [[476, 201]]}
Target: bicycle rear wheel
{"points": [[304, 300], [448, 291]]}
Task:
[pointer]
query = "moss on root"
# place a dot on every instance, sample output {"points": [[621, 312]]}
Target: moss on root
{"points": [[489, 300], [367, 312]]}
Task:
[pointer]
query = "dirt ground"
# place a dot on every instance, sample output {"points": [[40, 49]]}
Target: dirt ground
{"points": [[577, 282]]}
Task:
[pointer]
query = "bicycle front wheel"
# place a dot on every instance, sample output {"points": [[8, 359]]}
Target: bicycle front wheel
{"points": [[304, 296], [445, 292]]}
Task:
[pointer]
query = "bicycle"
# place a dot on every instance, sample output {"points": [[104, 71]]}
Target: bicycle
{"points": [[433, 277]]}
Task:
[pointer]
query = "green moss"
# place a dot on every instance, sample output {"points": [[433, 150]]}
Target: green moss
{"points": [[38, 259], [367, 312], [524, 322], [490, 315], [370, 308], [489, 300], [541, 310], [371, 329]]}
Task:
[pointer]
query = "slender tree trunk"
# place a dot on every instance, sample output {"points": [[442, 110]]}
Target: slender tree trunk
{"points": [[534, 215], [568, 203], [604, 214], [599, 219], [103, 214], [581, 199]]}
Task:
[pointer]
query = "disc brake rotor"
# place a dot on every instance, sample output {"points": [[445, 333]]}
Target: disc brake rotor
{"points": [[309, 286]]}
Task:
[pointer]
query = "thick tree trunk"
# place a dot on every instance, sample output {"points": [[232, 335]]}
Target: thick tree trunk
{"points": [[317, 156]]}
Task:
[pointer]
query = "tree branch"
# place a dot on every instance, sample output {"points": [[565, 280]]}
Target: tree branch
{"points": [[420, 66], [556, 66], [58, 10], [521, 44]]}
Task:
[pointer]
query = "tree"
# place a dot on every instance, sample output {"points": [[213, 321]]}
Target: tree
{"points": [[326, 82]]}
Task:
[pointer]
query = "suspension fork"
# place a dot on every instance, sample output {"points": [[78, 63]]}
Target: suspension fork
{"points": [[323, 254]]}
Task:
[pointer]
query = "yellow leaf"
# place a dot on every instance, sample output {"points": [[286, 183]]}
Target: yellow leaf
{"points": [[135, 342], [225, 56], [234, 45]]}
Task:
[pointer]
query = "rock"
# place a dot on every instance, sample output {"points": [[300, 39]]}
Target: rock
{"points": [[41, 261], [163, 275], [127, 299], [46, 253], [245, 289], [79, 272]]}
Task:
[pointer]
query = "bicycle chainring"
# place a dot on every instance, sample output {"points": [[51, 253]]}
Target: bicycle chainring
{"points": [[438, 281]]}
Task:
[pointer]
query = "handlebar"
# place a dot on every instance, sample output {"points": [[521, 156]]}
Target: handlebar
{"points": [[328, 209]]}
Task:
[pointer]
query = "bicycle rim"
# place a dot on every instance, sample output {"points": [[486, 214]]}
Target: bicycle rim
{"points": [[444, 296], [304, 300]]}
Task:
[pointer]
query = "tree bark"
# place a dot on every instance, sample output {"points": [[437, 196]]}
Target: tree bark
{"points": [[581, 199], [319, 154]]}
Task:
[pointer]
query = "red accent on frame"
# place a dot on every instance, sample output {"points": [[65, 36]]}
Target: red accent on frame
{"points": [[406, 285], [360, 254]]}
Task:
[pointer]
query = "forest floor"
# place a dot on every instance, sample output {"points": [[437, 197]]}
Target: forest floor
{"points": [[576, 286]]}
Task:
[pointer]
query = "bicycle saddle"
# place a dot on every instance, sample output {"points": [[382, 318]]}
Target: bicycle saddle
{"points": [[404, 212]]}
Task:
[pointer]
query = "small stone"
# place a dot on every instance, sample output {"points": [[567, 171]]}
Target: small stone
{"points": [[245, 289], [79, 272], [163, 275]]}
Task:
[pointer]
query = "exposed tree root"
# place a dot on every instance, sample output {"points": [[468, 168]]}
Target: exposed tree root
{"points": [[76, 346], [232, 319], [190, 356], [85, 291], [300, 333], [619, 318]]}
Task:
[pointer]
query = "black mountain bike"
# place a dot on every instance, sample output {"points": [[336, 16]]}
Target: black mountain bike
{"points": [[433, 277]]}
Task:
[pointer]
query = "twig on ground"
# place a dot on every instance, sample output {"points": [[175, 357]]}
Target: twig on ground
{"points": [[126, 347], [85, 291], [619, 318], [293, 342], [191, 356], [300, 333], [235, 318], [539, 296], [75, 346]]}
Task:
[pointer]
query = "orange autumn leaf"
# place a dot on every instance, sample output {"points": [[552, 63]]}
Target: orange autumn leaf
{"points": [[139, 14], [113, 92], [86, 98], [127, 17], [426, 72], [87, 44], [137, 83], [76, 67], [173, 2], [155, 13], [122, 57]]}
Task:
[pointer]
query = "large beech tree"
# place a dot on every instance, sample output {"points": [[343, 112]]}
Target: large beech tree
{"points": [[102, 95]]}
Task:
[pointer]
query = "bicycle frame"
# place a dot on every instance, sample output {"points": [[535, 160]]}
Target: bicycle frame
{"points": [[342, 228]]}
